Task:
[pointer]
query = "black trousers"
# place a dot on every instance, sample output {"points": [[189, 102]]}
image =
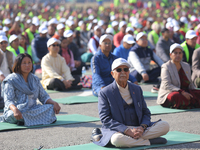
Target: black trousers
{"points": [[58, 85]]}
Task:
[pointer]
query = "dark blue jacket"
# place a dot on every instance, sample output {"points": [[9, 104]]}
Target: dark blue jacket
{"points": [[39, 46], [101, 71], [111, 110]]}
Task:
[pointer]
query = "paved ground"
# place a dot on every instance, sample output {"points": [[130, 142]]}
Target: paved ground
{"points": [[75, 134]]}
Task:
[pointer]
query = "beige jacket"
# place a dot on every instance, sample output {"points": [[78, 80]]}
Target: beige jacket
{"points": [[54, 67], [170, 80], [196, 65]]}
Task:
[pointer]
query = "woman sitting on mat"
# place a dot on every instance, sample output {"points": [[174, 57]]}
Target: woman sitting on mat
{"points": [[177, 89], [20, 91]]}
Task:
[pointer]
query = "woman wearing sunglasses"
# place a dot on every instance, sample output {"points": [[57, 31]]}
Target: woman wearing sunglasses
{"points": [[177, 89]]}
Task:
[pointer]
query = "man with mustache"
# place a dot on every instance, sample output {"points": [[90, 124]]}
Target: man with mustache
{"points": [[126, 120]]}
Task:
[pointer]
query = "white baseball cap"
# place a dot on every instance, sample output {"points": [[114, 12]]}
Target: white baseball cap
{"points": [[62, 20], [174, 46], [70, 22], [137, 25], [100, 22], [80, 23], [184, 19], [71, 18], [28, 21], [95, 21], [5, 29], [91, 17], [169, 25], [68, 33], [122, 23], [7, 21], [43, 29], [51, 41], [129, 29], [128, 39], [60, 26], [110, 31], [114, 23], [53, 21], [2, 33], [119, 62], [112, 18], [3, 38], [12, 38], [97, 27], [105, 36], [192, 18], [17, 18], [139, 35], [176, 28], [36, 22], [190, 34]]}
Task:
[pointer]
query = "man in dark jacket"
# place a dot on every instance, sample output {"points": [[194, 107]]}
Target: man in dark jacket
{"points": [[126, 120], [39, 44]]}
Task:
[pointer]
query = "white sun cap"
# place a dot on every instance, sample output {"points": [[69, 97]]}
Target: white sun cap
{"points": [[7, 21], [60, 26], [52, 41], [5, 29], [139, 35], [110, 31], [119, 62], [3, 38], [122, 23], [128, 39], [129, 29], [114, 23], [12, 38], [105, 36], [43, 29], [174, 46], [190, 34], [68, 33]]}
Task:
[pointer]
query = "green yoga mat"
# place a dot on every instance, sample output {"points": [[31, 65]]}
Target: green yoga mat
{"points": [[52, 91], [173, 138], [149, 94], [91, 99], [61, 120], [1, 110], [155, 110], [77, 99]]}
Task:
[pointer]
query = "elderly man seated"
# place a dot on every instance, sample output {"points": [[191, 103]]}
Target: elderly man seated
{"points": [[101, 65], [126, 120]]}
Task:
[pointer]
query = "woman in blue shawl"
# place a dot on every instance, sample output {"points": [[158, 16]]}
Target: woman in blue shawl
{"points": [[20, 91]]}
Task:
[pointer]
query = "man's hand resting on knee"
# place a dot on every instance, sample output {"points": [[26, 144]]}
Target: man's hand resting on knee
{"points": [[135, 133]]}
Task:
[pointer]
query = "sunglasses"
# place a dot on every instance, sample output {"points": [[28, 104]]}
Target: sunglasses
{"points": [[120, 69], [55, 45]]}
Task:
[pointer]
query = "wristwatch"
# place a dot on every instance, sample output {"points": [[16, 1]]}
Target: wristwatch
{"points": [[144, 126]]}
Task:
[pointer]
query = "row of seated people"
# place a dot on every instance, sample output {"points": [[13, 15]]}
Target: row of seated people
{"points": [[16, 95]]}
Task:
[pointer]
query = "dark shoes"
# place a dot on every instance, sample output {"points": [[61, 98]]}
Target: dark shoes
{"points": [[158, 140], [96, 135]]}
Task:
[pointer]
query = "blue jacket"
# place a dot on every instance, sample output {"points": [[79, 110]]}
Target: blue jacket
{"points": [[101, 68], [111, 110], [39, 46], [121, 52]]}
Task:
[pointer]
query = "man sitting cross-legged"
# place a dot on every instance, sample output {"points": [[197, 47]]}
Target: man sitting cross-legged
{"points": [[126, 120]]}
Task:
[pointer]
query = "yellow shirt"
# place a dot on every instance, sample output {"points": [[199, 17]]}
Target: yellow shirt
{"points": [[54, 67]]}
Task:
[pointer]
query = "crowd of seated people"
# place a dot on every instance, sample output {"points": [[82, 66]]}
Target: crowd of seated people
{"points": [[165, 53]]}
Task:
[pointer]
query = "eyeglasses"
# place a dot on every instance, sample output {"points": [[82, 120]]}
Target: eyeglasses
{"points": [[55, 45], [3, 43], [107, 43], [120, 69]]}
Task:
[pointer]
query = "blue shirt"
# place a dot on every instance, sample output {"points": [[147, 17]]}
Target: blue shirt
{"points": [[101, 68], [121, 52]]}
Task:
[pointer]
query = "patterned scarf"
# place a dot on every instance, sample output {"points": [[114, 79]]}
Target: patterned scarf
{"points": [[18, 82]]}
